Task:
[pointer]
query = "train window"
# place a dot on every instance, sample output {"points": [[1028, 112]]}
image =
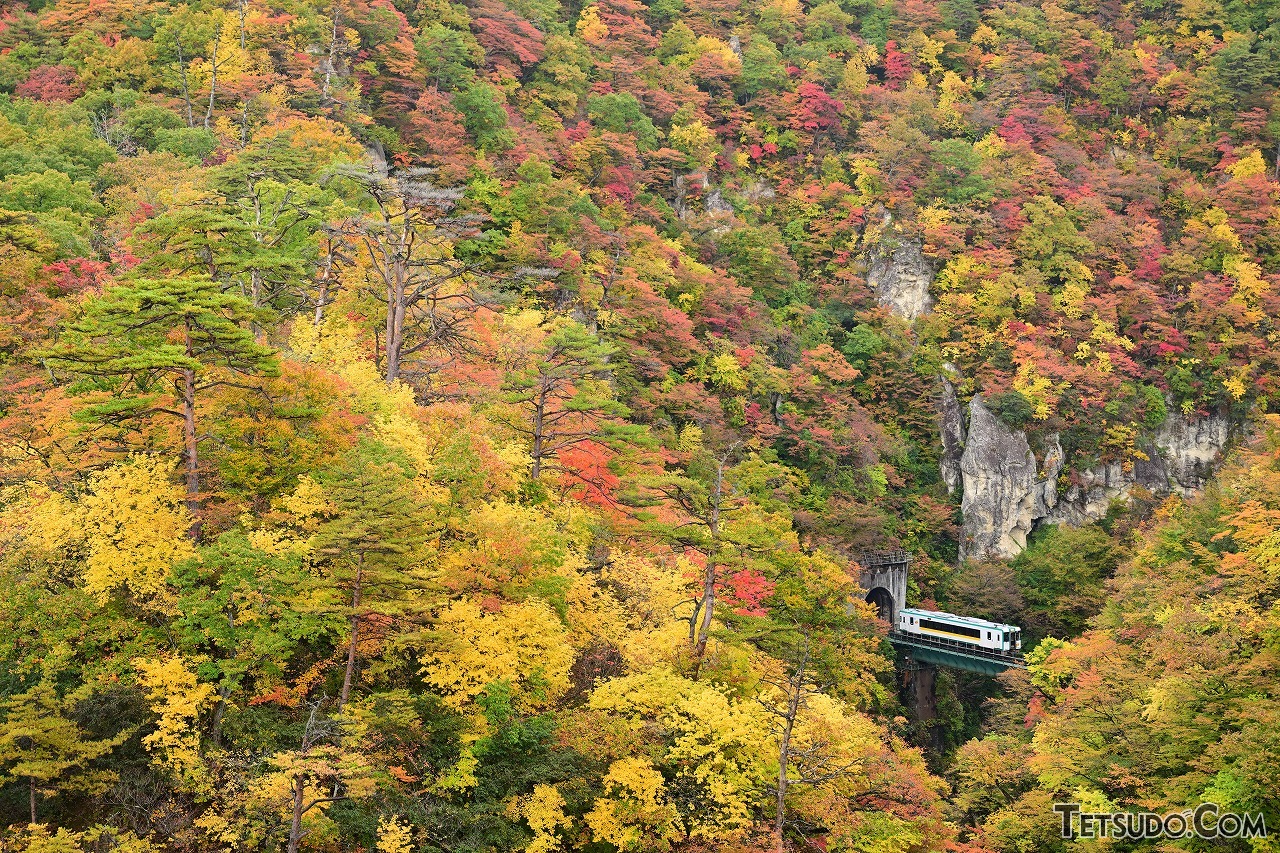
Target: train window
{"points": [[988, 635], [950, 629]]}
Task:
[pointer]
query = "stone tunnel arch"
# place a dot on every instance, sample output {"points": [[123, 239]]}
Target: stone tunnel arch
{"points": [[883, 600], [884, 576]]}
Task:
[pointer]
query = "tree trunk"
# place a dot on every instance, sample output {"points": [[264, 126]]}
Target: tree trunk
{"points": [[186, 92], [255, 274], [295, 828], [255, 291], [539, 415], [322, 298], [708, 610], [784, 759], [395, 319], [219, 711], [31, 795], [709, 580], [189, 434], [779, 821], [355, 630], [333, 57], [794, 700], [213, 83]]}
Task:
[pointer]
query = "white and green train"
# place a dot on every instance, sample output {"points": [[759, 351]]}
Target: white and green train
{"points": [[963, 630]]}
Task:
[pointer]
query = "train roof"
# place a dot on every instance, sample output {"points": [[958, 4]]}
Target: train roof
{"points": [[964, 620]]}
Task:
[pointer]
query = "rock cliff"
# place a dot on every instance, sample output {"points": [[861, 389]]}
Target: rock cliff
{"points": [[1003, 490], [952, 430], [1190, 449], [1006, 487], [1007, 490], [900, 277]]}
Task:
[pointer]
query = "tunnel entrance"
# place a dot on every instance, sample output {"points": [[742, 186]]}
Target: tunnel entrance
{"points": [[883, 600]]}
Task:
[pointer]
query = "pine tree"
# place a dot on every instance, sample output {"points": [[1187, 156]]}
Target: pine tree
{"points": [[251, 227], [409, 239], [564, 396], [705, 496], [155, 345], [374, 519]]}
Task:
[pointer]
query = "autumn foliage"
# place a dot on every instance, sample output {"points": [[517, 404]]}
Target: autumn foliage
{"points": [[454, 426]]}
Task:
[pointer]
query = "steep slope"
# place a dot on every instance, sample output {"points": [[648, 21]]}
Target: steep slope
{"points": [[453, 426]]}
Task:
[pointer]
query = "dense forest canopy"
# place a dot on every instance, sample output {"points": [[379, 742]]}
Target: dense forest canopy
{"points": [[455, 426]]}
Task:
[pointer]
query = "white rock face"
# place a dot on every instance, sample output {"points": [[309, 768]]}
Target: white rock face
{"points": [[1191, 449], [1046, 485], [953, 436], [713, 202], [999, 476], [1007, 491], [900, 278], [1090, 498]]}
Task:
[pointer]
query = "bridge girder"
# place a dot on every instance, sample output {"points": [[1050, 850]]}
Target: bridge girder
{"points": [[955, 658]]}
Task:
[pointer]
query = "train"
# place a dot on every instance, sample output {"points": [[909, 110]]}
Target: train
{"points": [[961, 630]]}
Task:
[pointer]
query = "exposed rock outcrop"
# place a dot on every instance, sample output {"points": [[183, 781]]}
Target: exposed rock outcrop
{"points": [[1090, 494], [1003, 491], [900, 277], [711, 198], [1045, 489], [1007, 490], [713, 202], [1190, 449], [953, 436]]}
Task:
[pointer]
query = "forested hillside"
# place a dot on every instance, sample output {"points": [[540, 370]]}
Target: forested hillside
{"points": [[454, 426], [1171, 699]]}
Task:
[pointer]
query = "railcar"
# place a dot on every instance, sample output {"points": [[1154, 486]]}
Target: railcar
{"points": [[962, 630]]}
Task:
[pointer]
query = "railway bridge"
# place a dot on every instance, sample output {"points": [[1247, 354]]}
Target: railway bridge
{"points": [[884, 577]]}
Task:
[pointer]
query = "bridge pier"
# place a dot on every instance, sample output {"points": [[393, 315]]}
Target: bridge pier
{"points": [[920, 694], [884, 577], [919, 686]]}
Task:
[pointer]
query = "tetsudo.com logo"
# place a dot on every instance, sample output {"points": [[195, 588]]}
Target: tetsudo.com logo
{"points": [[1206, 820]]}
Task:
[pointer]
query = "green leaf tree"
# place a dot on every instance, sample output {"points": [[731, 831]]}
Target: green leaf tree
{"points": [[373, 519], [237, 614], [484, 117]]}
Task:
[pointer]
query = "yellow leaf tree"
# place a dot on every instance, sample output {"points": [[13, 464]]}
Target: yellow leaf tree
{"points": [[523, 644], [715, 750], [134, 521]]}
